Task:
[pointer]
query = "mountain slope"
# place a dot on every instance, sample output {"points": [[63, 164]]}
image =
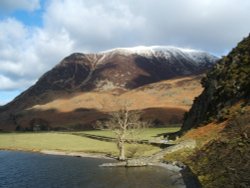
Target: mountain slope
{"points": [[163, 102], [219, 121], [225, 85], [124, 68], [129, 65], [118, 70]]}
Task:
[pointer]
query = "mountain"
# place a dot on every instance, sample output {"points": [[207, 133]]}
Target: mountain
{"points": [[225, 85], [115, 72], [219, 121]]}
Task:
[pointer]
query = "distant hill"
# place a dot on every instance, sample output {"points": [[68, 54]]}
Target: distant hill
{"points": [[115, 72]]}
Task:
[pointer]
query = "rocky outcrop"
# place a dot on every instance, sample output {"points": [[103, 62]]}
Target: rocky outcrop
{"points": [[154, 159], [225, 85]]}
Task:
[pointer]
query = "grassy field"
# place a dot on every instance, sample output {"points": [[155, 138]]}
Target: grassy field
{"points": [[79, 142], [146, 134]]}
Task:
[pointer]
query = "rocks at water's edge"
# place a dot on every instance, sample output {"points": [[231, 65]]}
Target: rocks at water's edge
{"points": [[154, 159]]}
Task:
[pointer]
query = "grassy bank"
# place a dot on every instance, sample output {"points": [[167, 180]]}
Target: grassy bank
{"points": [[84, 141]]}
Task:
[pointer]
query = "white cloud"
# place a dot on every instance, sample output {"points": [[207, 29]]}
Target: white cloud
{"points": [[93, 25], [11, 5], [26, 53], [96, 25], [211, 25], [8, 84]]}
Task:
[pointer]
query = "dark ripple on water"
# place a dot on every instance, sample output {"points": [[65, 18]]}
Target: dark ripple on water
{"points": [[32, 170]]}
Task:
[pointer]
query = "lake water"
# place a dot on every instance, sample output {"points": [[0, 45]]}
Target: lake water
{"points": [[33, 170]]}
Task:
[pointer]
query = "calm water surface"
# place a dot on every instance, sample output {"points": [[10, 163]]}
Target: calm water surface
{"points": [[24, 170]]}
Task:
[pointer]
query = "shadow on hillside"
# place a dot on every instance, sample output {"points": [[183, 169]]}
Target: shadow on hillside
{"points": [[83, 119], [79, 119], [151, 72], [154, 70], [160, 117]]}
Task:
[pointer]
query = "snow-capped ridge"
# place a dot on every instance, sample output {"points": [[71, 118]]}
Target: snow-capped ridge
{"points": [[166, 52], [147, 49]]}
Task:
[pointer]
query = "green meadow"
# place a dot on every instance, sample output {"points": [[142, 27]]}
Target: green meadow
{"points": [[96, 141]]}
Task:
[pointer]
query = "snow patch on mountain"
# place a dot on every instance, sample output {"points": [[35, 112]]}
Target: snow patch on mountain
{"points": [[166, 52]]}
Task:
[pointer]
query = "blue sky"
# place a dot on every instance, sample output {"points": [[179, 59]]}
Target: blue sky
{"points": [[28, 15], [7, 95], [36, 34], [33, 18]]}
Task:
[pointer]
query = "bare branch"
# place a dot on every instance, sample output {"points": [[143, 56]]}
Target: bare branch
{"points": [[125, 123]]}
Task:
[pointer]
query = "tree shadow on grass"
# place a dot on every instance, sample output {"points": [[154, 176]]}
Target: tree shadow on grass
{"points": [[129, 141], [108, 139], [95, 137]]}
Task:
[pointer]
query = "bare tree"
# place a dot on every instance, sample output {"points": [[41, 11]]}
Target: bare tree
{"points": [[126, 124]]}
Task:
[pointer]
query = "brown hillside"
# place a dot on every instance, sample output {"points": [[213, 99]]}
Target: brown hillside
{"points": [[163, 102], [85, 80]]}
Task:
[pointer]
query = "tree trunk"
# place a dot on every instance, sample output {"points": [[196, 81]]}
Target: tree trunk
{"points": [[121, 148]]}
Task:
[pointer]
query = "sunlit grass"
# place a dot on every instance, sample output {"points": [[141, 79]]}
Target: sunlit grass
{"points": [[67, 141], [54, 141]]}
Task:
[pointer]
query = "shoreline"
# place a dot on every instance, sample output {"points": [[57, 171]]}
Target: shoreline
{"points": [[181, 179], [167, 166], [64, 153], [170, 167], [76, 154]]}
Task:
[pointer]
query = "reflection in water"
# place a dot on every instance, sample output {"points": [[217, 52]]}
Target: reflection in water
{"points": [[22, 169]]}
